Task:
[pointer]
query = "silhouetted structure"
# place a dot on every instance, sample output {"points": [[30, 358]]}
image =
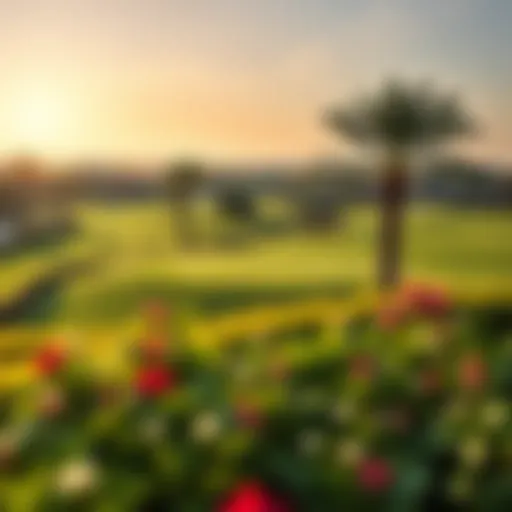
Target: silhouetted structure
{"points": [[237, 205], [183, 181], [34, 205]]}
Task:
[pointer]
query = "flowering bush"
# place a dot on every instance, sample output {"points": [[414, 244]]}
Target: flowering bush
{"points": [[408, 410]]}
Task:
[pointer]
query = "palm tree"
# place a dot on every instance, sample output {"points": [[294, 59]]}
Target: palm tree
{"points": [[183, 180], [400, 119]]}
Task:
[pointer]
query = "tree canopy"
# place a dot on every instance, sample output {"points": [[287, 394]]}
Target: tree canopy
{"points": [[402, 116]]}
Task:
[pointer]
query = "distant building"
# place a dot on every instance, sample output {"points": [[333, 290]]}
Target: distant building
{"points": [[34, 205]]}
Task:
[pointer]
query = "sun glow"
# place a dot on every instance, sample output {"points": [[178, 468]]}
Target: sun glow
{"points": [[39, 120]]}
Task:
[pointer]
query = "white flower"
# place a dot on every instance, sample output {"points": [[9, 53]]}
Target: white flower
{"points": [[495, 414], [310, 442], [206, 426], [77, 478], [152, 429], [349, 452], [473, 452]]}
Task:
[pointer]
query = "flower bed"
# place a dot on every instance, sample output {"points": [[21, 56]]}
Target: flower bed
{"points": [[406, 410]]}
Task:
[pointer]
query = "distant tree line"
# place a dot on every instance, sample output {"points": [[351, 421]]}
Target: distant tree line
{"points": [[463, 183], [457, 182]]}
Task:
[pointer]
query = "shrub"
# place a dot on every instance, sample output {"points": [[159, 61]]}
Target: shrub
{"points": [[403, 415]]}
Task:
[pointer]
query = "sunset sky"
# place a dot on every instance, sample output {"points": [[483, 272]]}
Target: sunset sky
{"points": [[232, 79]]}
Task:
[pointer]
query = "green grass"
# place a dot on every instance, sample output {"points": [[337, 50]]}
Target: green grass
{"points": [[461, 248], [274, 261], [440, 241], [19, 270]]}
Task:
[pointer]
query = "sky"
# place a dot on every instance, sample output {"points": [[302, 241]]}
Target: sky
{"points": [[236, 79]]}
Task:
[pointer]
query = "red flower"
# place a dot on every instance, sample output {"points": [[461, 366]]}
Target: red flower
{"points": [[252, 497], [427, 301], [472, 372], [154, 381], [50, 360], [375, 475]]}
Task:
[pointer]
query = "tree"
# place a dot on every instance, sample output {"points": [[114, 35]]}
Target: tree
{"points": [[183, 180], [237, 205], [400, 119]]}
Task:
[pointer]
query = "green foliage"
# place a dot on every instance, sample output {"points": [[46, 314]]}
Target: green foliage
{"points": [[236, 205], [402, 115], [305, 415], [183, 178]]}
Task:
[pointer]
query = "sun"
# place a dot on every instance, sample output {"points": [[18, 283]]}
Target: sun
{"points": [[38, 120]]}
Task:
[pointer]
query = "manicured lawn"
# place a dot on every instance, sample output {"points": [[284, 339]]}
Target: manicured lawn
{"points": [[272, 262], [461, 248]]}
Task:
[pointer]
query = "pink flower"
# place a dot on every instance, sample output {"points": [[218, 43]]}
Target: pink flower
{"points": [[427, 301], [375, 475], [251, 496], [154, 381], [50, 360], [472, 372]]}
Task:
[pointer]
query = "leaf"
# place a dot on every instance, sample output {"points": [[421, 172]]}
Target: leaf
{"points": [[412, 482]]}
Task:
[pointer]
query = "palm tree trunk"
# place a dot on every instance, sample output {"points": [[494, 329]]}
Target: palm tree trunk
{"points": [[393, 195]]}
